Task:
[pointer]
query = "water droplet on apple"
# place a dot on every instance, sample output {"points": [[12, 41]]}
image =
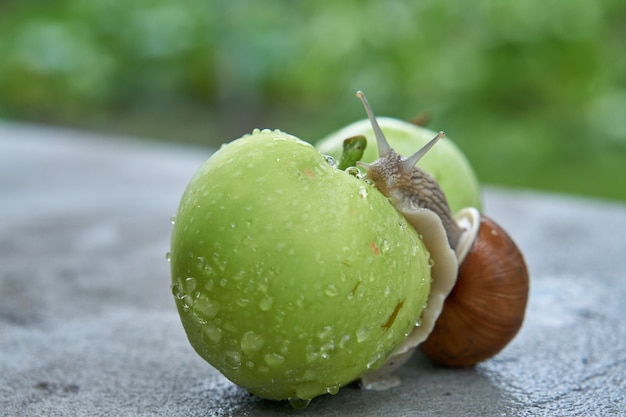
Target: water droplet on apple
{"points": [[190, 284], [299, 403], [330, 161], [266, 303], [251, 342], [211, 334], [311, 357], [384, 247], [273, 359], [205, 309], [168, 256], [354, 171], [363, 334], [331, 290], [362, 192], [309, 389], [327, 349], [173, 219], [177, 289], [186, 302], [375, 360], [232, 359], [202, 262], [325, 333], [333, 389], [344, 342]]}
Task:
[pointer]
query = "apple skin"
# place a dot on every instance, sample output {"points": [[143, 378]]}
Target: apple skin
{"points": [[291, 277], [444, 162]]}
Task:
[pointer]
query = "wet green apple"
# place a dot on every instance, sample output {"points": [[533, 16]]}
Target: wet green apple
{"points": [[444, 162], [291, 277]]}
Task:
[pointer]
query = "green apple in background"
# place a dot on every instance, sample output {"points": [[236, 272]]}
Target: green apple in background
{"points": [[291, 277], [445, 162]]}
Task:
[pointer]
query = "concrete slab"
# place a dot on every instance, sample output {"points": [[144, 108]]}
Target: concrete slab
{"points": [[88, 324]]}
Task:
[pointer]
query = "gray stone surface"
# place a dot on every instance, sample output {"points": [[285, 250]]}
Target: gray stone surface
{"points": [[88, 324]]}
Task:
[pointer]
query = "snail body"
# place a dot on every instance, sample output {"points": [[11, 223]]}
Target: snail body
{"points": [[485, 308]]}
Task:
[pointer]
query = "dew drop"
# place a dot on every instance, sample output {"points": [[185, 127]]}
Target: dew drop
{"points": [[242, 302], [330, 161], [363, 334], [168, 256], [263, 285], [190, 284], [273, 359], [202, 262], [362, 192], [311, 357], [345, 340], [326, 332], [327, 349], [309, 389], [251, 342], [384, 247], [230, 327], [173, 219], [177, 289], [375, 360], [212, 334], [333, 389], [205, 309], [232, 359], [299, 403], [353, 171], [186, 302], [266, 303], [331, 290]]}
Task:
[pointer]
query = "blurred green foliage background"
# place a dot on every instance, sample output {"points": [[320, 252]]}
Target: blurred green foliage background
{"points": [[533, 91]]}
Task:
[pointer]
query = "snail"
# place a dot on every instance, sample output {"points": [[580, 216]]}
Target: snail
{"points": [[485, 309]]}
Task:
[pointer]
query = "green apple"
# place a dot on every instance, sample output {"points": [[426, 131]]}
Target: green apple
{"points": [[291, 277], [444, 162]]}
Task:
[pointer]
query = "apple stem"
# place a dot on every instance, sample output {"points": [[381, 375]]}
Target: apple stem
{"points": [[353, 149]]}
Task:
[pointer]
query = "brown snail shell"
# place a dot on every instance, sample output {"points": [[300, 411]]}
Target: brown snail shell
{"points": [[485, 309]]}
